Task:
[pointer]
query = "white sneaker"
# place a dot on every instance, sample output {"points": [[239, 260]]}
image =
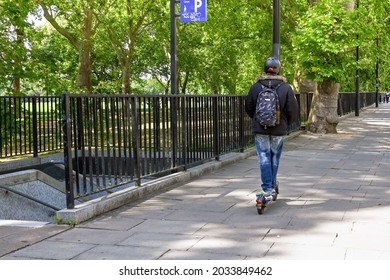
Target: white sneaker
{"points": [[267, 195]]}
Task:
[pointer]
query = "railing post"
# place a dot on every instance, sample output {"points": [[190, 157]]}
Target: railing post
{"points": [[136, 141], [309, 99], [67, 131], [174, 124], [216, 118], [35, 126], [241, 122], [183, 108]]}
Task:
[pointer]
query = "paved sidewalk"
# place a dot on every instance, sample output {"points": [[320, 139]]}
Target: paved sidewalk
{"points": [[334, 204]]}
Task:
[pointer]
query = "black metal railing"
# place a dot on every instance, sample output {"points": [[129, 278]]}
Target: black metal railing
{"points": [[32, 125], [114, 140], [347, 101], [111, 140], [29, 125]]}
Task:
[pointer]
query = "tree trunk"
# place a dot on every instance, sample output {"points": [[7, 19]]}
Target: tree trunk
{"points": [[185, 82], [84, 79], [126, 76], [18, 66], [323, 117], [350, 5], [82, 46]]}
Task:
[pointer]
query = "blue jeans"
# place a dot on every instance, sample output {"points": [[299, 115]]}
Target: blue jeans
{"points": [[269, 149]]}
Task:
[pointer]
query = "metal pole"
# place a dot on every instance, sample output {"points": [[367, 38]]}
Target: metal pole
{"points": [[276, 29], [357, 102], [357, 83], [67, 140], [377, 74], [173, 48], [173, 83]]}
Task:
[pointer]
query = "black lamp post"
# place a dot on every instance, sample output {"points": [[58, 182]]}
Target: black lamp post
{"points": [[357, 80], [276, 29], [377, 73], [173, 47]]}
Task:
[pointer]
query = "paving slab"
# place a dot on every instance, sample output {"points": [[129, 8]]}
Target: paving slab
{"points": [[14, 238]]}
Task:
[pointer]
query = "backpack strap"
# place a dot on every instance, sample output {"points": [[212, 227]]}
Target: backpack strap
{"points": [[278, 85]]}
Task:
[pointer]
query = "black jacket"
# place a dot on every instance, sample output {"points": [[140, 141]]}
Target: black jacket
{"points": [[289, 111]]}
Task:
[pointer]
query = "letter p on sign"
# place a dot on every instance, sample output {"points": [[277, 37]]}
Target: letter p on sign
{"points": [[198, 4]]}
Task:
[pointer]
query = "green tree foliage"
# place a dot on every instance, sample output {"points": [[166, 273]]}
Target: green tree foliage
{"points": [[53, 64], [123, 23], [225, 54], [325, 40], [75, 21], [13, 40], [128, 45]]}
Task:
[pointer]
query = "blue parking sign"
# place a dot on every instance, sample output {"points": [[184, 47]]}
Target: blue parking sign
{"points": [[193, 10]]}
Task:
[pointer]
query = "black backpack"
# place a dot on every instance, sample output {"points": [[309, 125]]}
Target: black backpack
{"points": [[268, 107]]}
